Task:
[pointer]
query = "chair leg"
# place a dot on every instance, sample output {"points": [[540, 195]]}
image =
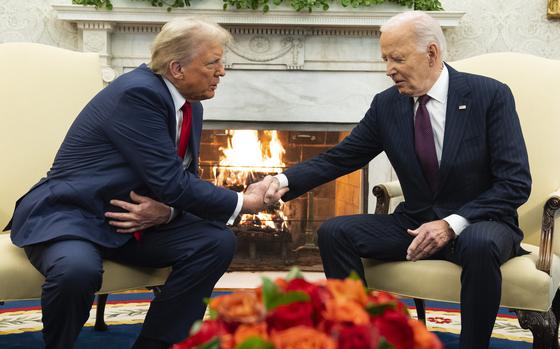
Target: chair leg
{"points": [[543, 325], [420, 309], [100, 324]]}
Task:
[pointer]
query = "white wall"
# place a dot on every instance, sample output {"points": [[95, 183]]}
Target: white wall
{"points": [[488, 26], [503, 25]]}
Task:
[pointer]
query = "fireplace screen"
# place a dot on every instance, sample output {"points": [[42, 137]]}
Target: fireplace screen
{"points": [[284, 235]]}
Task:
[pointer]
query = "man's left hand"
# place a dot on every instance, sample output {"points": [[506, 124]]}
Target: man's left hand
{"points": [[142, 213], [428, 239]]}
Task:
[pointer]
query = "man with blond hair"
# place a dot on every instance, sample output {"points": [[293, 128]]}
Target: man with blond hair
{"points": [[455, 142], [124, 186]]}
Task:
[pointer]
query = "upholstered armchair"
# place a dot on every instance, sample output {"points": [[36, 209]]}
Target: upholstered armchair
{"points": [[530, 283], [42, 90]]}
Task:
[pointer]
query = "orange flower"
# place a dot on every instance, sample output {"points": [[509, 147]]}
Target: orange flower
{"points": [[240, 307], [302, 337], [250, 330], [423, 339], [345, 311], [348, 289]]}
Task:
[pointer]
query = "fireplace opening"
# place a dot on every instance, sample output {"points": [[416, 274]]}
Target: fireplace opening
{"points": [[283, 235]]}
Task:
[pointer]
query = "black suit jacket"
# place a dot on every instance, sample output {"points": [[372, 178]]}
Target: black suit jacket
{"points": [[123, 140], [484, 170]]}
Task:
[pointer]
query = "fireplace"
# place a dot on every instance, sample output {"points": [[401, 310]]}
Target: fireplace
{"points": [[284, 234]]}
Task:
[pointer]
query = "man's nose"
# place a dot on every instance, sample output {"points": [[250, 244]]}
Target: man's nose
{"points": [[221, 71], [389, 69]]}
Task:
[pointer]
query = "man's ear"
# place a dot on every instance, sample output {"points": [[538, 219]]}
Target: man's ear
{"points": [[176, 70], [433, 53]]}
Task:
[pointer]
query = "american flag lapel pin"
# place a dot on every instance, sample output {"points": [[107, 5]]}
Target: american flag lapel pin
{"points": [[462, 107]]}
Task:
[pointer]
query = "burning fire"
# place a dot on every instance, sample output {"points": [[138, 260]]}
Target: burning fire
{"points": [[247, 159]]}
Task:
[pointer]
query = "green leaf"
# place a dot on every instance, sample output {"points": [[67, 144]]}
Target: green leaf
{"points": [[273, 297], [354, 276], [295, 273], [214, 343], [288, 298], [255, 343], [377, 309], [195, 327], [383, 344], [270, 291]]}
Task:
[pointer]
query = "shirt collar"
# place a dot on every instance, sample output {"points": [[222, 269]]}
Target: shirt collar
{"points": [[439, 89], [178, 99]]}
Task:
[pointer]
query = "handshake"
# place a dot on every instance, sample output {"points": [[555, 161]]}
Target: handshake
{"points": [[261, 194]]}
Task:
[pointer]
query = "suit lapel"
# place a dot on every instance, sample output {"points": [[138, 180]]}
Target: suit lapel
{"points": [[457, 113]]}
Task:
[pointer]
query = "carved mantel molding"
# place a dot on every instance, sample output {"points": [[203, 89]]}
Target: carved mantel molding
{"points": [[340, 39]]}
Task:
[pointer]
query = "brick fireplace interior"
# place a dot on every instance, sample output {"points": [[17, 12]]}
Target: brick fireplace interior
{"points": [[285, 235]]}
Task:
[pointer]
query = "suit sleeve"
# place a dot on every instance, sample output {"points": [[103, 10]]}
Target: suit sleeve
{"points": [[138, 129], [354, 152], [509, 166]]}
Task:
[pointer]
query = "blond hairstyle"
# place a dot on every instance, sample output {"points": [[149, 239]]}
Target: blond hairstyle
{"points": [[426, 29], [180, 40]]}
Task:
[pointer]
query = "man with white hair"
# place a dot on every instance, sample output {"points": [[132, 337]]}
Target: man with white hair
{"points": [[138, 137], [455, 142]]}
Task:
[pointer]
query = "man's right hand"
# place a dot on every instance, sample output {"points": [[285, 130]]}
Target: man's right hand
{"points": [[261, 194]]}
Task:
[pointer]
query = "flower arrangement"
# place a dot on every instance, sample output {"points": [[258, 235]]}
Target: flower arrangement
{"points": [[292, 313]]}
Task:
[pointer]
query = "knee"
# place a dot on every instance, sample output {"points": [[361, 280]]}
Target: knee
{"points": [[75, 275], [224, 245], [330, 231], [480, 247]]}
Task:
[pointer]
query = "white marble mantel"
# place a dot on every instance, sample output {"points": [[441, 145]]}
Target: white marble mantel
{"points": [[281, 39]]}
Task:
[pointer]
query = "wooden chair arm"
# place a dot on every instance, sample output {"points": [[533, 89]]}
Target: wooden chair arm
{"points": [[384, 192], [551, 205]]}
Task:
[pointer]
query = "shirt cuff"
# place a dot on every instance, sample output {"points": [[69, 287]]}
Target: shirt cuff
{"points": [[282, 179], [174, 213], [457, 223], [237, 209]]}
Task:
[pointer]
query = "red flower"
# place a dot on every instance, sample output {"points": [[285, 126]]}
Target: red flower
{"points": [[394, 326], [208, 330], [290, 315], [318, 294], [358, 337]]}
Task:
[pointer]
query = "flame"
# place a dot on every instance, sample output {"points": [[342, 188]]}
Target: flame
{"points": [[246, 155]]}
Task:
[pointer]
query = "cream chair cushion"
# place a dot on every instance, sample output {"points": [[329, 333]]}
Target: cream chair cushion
{"points": [[535, 83], [43, 89]]}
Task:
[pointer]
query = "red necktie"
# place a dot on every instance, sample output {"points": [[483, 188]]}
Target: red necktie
{"points": [[424, 143], [185, 130], [184, 138]]}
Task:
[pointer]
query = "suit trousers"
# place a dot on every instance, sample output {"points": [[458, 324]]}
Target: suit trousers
{"points": [[199, 252], [480, 250]]}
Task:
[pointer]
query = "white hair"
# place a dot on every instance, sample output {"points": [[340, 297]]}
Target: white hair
{"points": [[426, 29]]}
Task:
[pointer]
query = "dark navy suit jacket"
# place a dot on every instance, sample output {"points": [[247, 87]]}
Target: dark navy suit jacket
{"points": [[123, 140], [484, 170]]}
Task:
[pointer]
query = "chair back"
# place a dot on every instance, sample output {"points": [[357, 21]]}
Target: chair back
{"points": [[535, 83], [43, 89]]}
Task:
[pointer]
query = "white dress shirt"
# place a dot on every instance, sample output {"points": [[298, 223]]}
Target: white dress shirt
{"points": [[178, 101], [436, 106]]}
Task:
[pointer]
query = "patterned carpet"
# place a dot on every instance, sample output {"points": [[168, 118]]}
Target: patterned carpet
{"points": [[20, 324]]}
